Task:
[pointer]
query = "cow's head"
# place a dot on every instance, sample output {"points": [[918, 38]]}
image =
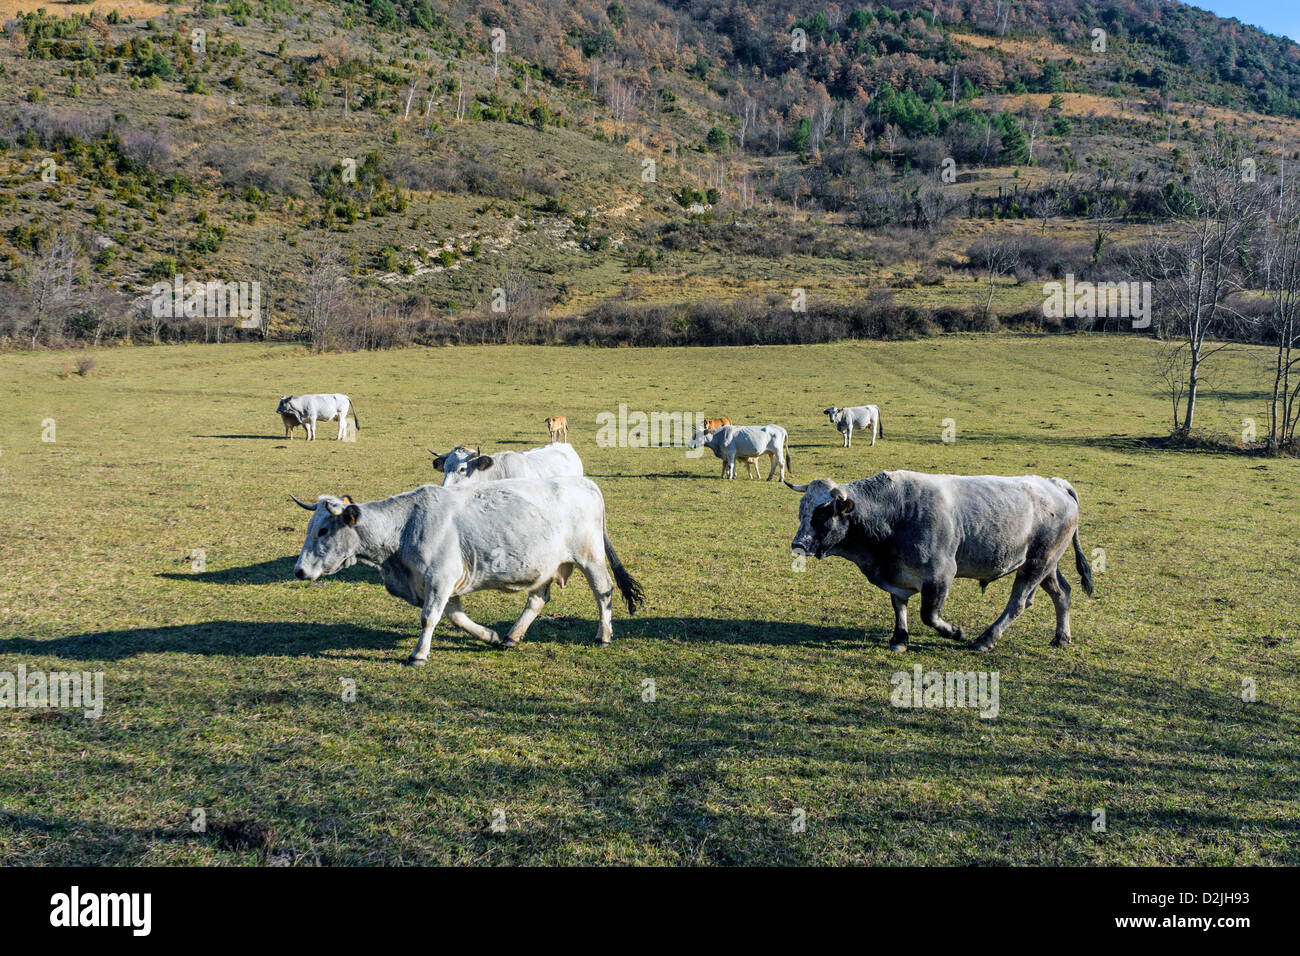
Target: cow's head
{"points": [[284, 408], [332, 540], [824, 515], [702, 437], [832, 413], [460, 464]]}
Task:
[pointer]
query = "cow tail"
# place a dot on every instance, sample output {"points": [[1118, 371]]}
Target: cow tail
{"points": [[355, 420], [626, 583], [880, 425], [789, 470], [1080, 562]]}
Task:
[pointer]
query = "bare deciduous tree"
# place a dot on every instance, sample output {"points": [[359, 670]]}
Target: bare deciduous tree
{"points": [[1282, 283], [1000, 257], [326, 282], [52, 278], [1197, 262]]}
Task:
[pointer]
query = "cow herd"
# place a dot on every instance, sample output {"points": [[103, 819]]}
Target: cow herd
{"points": [[523, 521]]}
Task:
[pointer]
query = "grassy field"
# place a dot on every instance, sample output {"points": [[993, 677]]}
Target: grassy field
{"points": [[223, 685]]}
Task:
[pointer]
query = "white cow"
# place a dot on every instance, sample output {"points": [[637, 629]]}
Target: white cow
{"points": [[462, 465], [748, 442], [433, 545], [855, 416], [310, 409]]}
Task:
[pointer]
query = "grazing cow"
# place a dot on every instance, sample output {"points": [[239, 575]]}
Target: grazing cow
{"points": [[911, 532], [462, 465], [307, 410], [557, 425], [433, 545], [747, 442], [857, 416]]}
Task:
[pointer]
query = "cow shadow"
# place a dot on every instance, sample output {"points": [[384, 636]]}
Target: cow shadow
{"points": [[577, 629], [212, 638], [274, 571], [253, 437], [305, 639], [661, 474]]}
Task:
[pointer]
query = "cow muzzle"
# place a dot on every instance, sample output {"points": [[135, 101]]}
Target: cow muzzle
{"points": [[806, 547]]}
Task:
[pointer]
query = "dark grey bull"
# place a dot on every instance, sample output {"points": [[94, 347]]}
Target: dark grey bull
{"points": [[911, 532]]}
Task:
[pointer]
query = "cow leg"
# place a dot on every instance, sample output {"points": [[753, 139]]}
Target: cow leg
{"points": [[848, 437], [601, 586], [1021, 591], [536, 601], [729, 467], [776, 459], [456, 614], [751, 468], [1059, 588], [433, 607], [933, 594], [343, 428], [898, 642]]}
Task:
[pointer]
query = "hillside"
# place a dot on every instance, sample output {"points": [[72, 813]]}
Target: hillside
{"points": [[382, 172]]}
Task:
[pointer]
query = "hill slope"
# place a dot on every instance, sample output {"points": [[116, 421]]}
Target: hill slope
{"points": [[381, 170]]}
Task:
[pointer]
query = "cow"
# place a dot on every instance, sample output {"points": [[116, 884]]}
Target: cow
{"points": [[434, 545], [908, 531], [290, 423], [746, 442], [462, 465], [751, 464], [856, 416], [309, 409], [557, 425]]}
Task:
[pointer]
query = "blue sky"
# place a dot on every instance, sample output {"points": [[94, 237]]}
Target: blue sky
{"points": [[1281, 17]]}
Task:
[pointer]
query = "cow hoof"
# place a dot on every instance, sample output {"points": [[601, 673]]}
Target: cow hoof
{"points": [[899, 647], [1059, 641], [959, 634], [982, 645], [416, 661]]}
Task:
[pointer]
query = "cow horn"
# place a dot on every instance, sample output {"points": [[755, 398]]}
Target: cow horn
{"points": [[798, 488], [302, 504]]}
